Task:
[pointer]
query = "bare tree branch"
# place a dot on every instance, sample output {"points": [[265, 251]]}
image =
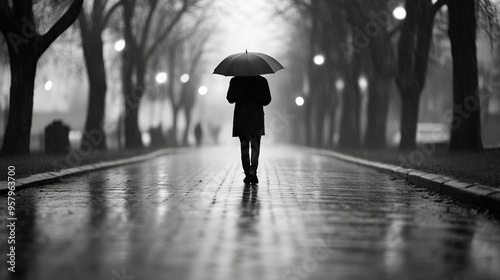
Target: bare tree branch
{"points": [[23, 9], [110, 12], [191, 32], [97, 11], [168, 30], [44, 41], [395, 30], [7, 20], [488, 18], [83, 21], [438, 5], [128, 7], [146, 28]]}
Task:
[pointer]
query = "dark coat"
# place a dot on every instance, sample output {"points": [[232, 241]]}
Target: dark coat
{"points": [[250, 95]]}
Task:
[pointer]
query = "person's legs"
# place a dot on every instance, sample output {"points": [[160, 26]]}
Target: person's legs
{"points": [[245, 154], [255, 142]]}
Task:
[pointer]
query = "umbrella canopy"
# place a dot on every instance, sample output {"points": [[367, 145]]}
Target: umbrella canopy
{"points": [[248, 64]]}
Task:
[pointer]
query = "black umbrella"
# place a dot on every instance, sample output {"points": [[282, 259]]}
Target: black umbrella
{"points": [[248, 64]]}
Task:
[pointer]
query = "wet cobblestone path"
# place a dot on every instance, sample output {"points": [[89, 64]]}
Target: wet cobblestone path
{"points": [[189, 216]]}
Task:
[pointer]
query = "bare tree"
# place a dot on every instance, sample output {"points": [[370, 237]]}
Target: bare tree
{"points": [[324, 17], [381, 74], [414, 46], [25, 47], [350, 130], [139, 22], [413, 53], [92, 24], [334, 29], [194, 54]]}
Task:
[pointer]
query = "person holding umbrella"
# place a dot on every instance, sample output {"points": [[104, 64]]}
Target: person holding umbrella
{"points": [[250, 93]]}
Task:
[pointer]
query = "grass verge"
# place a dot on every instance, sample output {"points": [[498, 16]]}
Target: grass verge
{"points": [[40, 163], [482, 167]]}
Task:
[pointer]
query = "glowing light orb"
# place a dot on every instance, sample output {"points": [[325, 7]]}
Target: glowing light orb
{"points": [[299, 101], [202, 90], [399, 13], [161, 77], [340, 85], [319, 59], [363, 83], [185, 78], [48, 85], [120, 45]]}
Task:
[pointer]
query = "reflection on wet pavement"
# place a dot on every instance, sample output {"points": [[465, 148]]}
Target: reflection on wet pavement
{"points": [[189, 216]]}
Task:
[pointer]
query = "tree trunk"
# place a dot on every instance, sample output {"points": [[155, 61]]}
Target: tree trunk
{"points": [[382, 70], [325, 106], [133, 139], [330, 140], [96, 72], [307, 121], [319, 123], [185, 138], [318, 103], [412, 66], [349, 125], [175, 115], [18, 131], [133, 136], [172, 63], [466, 124], [133, 93], [378, 105], [409, 116]]}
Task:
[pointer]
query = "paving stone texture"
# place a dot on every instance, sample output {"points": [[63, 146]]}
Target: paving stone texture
{"points": [[189, 216]]}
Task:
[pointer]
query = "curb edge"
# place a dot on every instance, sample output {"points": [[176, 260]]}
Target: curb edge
{"points": [[56, 176], [476, 194]]}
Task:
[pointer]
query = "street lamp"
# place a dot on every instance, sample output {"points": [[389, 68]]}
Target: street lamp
{"points": [[185, 78], [48, 85], [299, 101], [340, 85], [363, 83], [202, 90], [120, 45], [161, 77], [399, 13], [319, 59]]}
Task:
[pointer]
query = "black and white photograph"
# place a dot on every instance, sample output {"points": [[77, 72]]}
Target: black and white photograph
{"points": [[250, 139]]}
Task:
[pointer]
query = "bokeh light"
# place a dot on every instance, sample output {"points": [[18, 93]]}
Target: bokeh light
{"points": [[120, 45], [299, 101], [203, 90], [161, 77], [319, 59], [48, 85], [399, 13], [185, 78], [340, 85], [363, 83]]}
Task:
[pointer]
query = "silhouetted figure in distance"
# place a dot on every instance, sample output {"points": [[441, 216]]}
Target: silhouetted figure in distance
{"points": [[250, 95], [198, 134]]}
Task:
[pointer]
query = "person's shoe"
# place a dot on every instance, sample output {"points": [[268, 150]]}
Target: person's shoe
{"points": [[247, 176], [247, 179], [253, 177]]}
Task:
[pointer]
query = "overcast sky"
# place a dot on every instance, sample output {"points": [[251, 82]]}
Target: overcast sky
{"points": [[242, 25]]}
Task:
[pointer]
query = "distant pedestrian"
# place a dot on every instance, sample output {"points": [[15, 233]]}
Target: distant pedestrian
{"points": [[249, 94], [198, 134]]}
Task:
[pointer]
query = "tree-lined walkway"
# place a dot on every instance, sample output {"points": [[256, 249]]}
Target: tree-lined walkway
{"points": [[189, 216]]}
